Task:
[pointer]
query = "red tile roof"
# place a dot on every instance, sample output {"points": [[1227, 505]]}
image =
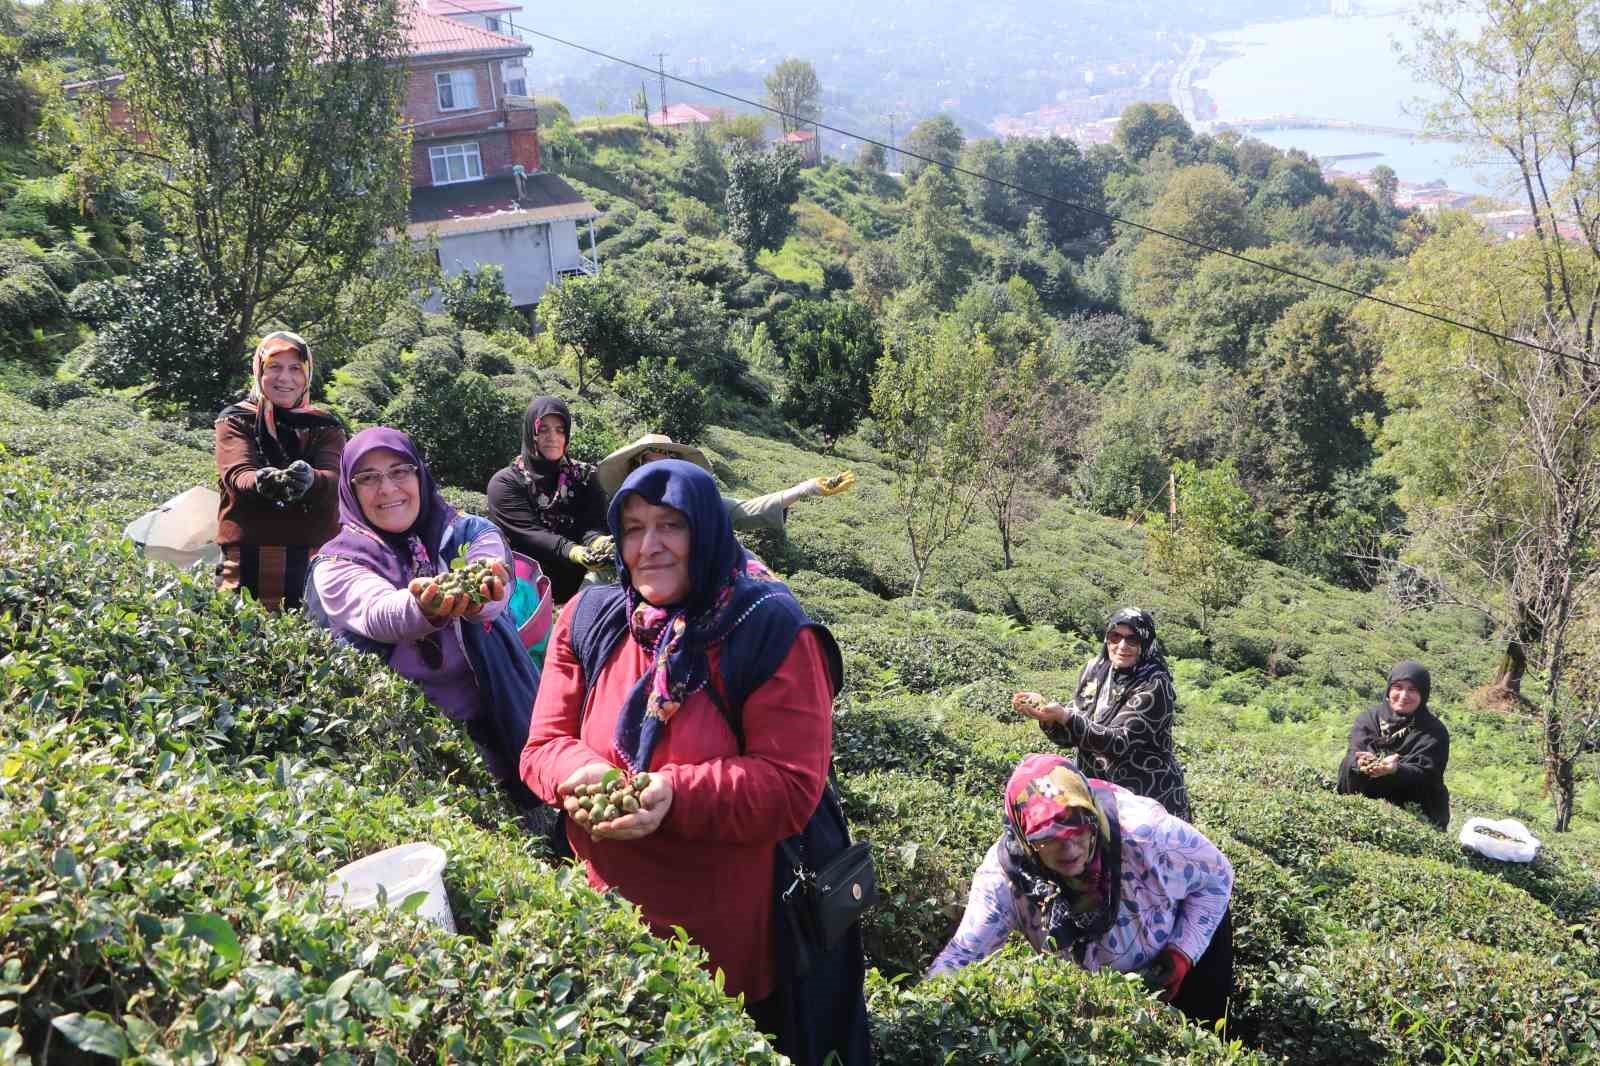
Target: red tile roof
{"points": [[469, 7], [798, 136], [688, 114], [430, 35]]}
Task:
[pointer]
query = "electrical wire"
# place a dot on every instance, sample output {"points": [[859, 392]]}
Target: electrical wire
{"points": [[1105, 216]]}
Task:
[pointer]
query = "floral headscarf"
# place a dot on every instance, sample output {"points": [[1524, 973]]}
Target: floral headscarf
{"points": [[280, 448], [1048, 797]]}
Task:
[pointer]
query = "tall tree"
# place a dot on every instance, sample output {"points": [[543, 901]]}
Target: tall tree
{"points": [[933, 248], [1204, 549], [274, 130], [927, 402], [937, 138], [762, 186], [1143, 126], [1526, 82], [831, 352], [1200, 204], [1496, 449], [793, 89]]}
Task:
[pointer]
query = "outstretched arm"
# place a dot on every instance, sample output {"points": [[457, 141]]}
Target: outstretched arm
{"points": [[990, 917]]}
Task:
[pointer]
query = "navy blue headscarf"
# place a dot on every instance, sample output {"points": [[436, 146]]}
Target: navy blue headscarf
{"points": [[726, 585]]}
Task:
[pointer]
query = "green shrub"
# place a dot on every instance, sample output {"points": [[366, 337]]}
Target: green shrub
{"points": [[57, 391], [929, 661], [481, 354], [27, 296], [437, 325], [465, 426], [1016, 1008], [403, 327], [476, 298]]}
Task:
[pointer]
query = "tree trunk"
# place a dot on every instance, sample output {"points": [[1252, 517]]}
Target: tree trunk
{"points": [[1508, 675], [1005, 545]]}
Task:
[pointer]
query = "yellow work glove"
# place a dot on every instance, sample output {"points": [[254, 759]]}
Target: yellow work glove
{"points": [[832, 486]]}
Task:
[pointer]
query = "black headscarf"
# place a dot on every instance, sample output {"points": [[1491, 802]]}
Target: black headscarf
{"points": [[1392, 725], [1152, 656], [540, 408]]}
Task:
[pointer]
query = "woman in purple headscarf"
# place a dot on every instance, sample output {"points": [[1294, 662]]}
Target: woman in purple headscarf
{"points": [[374, 585]]}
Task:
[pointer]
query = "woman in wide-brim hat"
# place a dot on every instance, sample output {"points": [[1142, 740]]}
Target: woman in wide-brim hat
{"points": [[758, 512]]}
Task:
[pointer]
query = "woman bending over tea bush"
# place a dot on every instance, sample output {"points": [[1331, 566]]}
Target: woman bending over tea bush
{"points": [[550, 506], [700, 672], [1087, 870], [1399, 749], [277, 469], [1120, 719], [757, 512], [389, 584]]}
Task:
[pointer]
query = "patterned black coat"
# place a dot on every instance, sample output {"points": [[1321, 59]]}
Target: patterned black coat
{"points": [[1120, 724]]}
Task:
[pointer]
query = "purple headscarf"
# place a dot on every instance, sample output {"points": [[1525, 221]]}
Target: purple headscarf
{"points": [[359, 541]]}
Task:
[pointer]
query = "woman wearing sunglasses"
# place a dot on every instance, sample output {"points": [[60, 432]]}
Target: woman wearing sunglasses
{"points": [[375, 585], [1120, 719]]}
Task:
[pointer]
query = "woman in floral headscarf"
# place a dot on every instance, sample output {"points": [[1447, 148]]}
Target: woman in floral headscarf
{"points": [[277, 469], [548, 505], [701, 670], [1120, 718], [1089, 871]]}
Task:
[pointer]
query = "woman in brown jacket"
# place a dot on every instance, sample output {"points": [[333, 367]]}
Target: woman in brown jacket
{"points": [[278, 471]]}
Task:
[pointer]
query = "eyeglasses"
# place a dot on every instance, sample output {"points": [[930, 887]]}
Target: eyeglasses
{"points": [[397, 475], [1121, 638]]}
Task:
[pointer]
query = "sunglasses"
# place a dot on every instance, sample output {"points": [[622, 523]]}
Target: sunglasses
{"points": [[1121, 638]]}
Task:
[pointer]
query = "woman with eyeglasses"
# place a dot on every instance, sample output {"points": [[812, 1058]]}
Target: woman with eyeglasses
{"points": [[375, 585], [277, 469], [549, 505], [1120, 719]]}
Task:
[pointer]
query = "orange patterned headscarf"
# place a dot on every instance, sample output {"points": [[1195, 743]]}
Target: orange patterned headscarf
{"points": [[265, 350]]}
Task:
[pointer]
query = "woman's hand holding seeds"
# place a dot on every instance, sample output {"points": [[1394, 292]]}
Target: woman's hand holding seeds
{"points": [[1035, 706], [611, 806]]}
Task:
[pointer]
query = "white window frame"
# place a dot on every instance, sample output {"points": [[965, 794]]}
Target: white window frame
{"points": [[517, 86], [468, 155], [455, 90], [491, 23]]}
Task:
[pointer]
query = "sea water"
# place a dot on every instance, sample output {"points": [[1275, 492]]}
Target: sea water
{"points": [[1347, 68]]}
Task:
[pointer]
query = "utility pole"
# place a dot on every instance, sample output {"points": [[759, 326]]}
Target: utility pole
{"points": [[661, 82], [893, 152]]}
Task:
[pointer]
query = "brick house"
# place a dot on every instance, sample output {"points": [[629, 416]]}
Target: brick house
{"points": [[477, 187]]}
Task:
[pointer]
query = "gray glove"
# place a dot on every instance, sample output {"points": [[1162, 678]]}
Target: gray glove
{"points": [[287, 485], [301, 477]]}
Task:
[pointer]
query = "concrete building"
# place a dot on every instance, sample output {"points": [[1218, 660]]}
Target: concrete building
{"points": [[477, 186]]}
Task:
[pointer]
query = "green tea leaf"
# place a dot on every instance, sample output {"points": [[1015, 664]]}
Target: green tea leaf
{"points": [[95, 1033], [413, 902], [216, 931]]}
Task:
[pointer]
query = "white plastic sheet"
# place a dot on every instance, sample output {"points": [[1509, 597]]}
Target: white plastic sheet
{"points": [[1521, 846], [182, 531]]}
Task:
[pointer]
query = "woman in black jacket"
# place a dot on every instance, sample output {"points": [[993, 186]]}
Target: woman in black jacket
{"points": [[1120, 720], [549, 506], [1399, 749]]}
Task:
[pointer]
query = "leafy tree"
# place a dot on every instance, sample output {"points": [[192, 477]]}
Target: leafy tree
{"points": [[465, 426], [1496, 449], [870, 158], [749, 130], [1204, 550], [1021, 423], [1387, 184], [591, 316], [933, 249], [158, 327], [1094, 348], [762, 186], [476, 298], [662, 398], [937, 138], [1201, 204], [275, 131], [877, 274], [1220, 315], [832, 350], [793, 89], [927, 403], [1051, 165], [1143, 126]]}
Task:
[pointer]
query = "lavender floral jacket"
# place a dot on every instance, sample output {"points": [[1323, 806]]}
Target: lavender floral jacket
{"points": [[1175, 888]]}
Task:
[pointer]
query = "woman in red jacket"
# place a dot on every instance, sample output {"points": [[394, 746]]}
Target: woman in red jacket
{"points": [[733, 728]]}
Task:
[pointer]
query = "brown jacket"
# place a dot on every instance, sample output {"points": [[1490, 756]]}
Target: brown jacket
{"points": [[246, 518]]}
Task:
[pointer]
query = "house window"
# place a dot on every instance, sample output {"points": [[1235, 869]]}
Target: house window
{"points": [[456, 162], [516, 87], [491, 24], [458, 89]]}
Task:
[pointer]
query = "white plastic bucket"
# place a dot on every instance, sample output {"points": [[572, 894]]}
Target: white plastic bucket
{"points": [[402, 872]]}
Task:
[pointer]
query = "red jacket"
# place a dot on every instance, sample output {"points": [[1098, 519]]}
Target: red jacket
{"points": [[708, 867]]}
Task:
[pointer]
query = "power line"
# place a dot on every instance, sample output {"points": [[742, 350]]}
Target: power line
{"points": [[1090, 211]]}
